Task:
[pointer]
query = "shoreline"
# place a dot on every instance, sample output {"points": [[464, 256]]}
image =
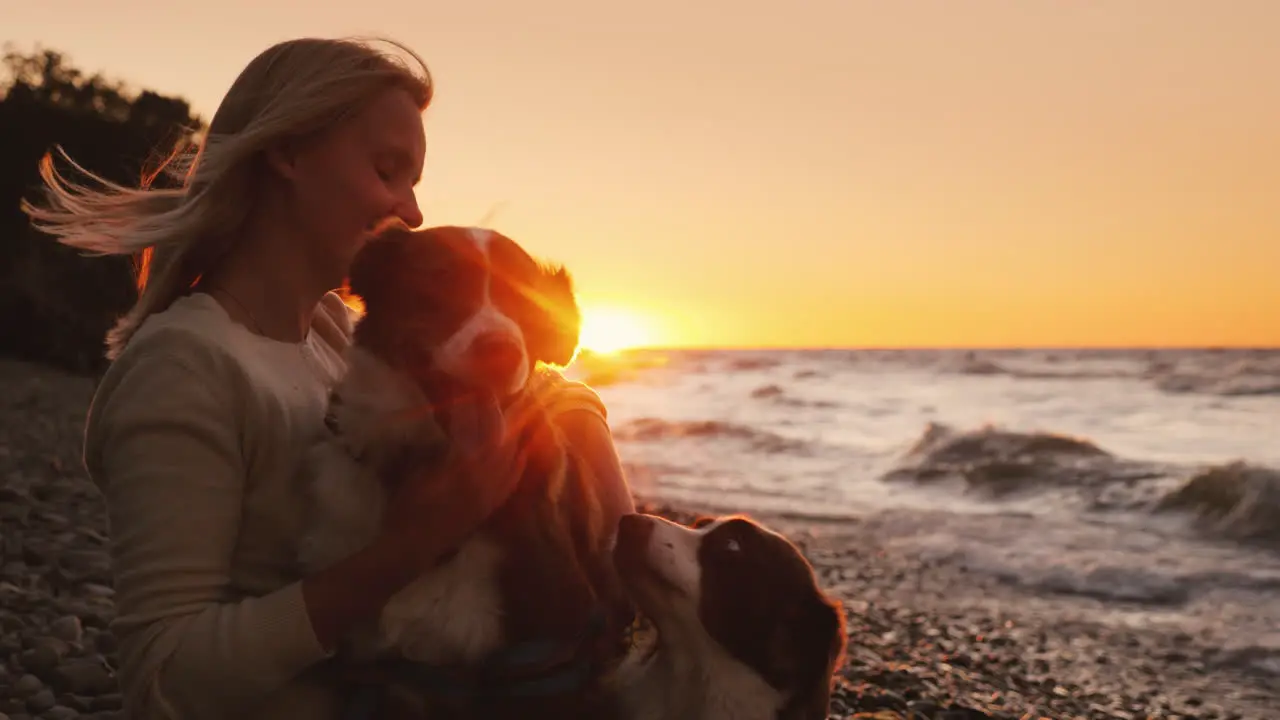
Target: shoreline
{"points": [[927, 639]]}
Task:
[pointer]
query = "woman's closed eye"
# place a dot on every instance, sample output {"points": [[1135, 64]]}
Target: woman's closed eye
{"points": [[395, 166], [386, 169]]}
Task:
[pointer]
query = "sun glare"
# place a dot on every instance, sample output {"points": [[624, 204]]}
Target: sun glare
{"points": [[607, 330]]}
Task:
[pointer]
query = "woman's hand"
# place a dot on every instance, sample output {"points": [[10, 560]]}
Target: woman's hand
{"points": [[434, 509]]}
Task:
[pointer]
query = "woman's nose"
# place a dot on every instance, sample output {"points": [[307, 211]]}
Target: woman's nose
{"points": [[409, 212]]}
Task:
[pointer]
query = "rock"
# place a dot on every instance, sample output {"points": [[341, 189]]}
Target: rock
{"points": [[98, 590], [107, 701], [16, 514], [41, 701], [60, 712], [923, 708], [67, 628], [83, 677], [27, 685], [37, 640], [42, 659], [9, 646]]}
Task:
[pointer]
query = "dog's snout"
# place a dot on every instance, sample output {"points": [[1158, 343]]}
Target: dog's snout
{"points": [[498, 355], [636, 526]]}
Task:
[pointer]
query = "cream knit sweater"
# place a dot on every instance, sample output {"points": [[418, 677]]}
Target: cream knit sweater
{"points": [[194, 437]]}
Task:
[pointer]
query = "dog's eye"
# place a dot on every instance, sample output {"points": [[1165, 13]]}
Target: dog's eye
{"points": [[732, 546]]}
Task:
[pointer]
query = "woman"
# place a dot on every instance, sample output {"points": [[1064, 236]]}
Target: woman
{"points": [[220, 374]]}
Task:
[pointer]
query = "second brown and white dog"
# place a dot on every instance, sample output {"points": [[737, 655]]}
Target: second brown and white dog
{"points": [[743, 630]]}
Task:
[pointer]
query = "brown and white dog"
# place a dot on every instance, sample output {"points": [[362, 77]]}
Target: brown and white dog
{"points": [[505, 626], [743, 630], [528, 606]]}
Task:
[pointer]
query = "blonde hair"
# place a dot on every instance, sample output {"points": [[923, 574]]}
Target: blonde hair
{"points": [[294, 88]]}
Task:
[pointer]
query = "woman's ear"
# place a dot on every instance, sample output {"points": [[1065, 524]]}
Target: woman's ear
{"points": [[556, 339], [287, 157], [282, 158]]}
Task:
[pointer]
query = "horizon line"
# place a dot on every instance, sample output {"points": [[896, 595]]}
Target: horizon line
{"points": [[1209, 347]]}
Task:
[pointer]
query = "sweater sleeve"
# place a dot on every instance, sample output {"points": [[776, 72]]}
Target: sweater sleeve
{"points": [[164, 444], [560, 395], [581, 415]]}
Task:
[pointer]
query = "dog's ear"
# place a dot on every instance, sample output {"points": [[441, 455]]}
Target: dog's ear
{"points": [[373, 273], [814, 643], [555, 339]]}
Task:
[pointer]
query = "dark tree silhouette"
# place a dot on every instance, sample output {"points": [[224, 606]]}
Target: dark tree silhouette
{"points": [[55, 303]]}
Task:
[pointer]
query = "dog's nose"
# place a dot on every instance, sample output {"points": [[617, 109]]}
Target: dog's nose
{"points": [[497, 356]]}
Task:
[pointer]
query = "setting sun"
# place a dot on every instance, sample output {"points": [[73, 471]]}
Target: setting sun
{"points": [[611, 329]]}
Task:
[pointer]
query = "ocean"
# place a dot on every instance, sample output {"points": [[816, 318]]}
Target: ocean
{"points": [[1147, 481]]}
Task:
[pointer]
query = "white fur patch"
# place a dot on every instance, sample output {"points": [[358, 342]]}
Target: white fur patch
{"points": [[454, 613], [345, 504], [453, 356], [375, 407]]}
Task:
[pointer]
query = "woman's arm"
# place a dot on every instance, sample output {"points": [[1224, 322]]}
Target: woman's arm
{"points": [[164, 445]]}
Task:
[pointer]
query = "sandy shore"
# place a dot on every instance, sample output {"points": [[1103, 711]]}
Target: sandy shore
{"points": [[927, 639]]}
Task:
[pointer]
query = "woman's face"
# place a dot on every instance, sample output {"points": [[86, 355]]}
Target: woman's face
{"points": [[355, 177]]}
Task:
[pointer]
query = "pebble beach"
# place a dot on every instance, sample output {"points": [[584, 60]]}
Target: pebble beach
{"points": [[928, 638]]}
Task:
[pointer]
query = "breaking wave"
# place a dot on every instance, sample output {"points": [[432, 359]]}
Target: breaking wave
{"points": [[999, 462], [649, 429], [1237, 501]]}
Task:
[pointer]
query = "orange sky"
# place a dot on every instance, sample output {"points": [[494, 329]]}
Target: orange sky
{"points": [[822, 172]]}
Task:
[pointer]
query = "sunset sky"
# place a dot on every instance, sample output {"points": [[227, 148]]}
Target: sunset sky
{"points": [[820, 172]]}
